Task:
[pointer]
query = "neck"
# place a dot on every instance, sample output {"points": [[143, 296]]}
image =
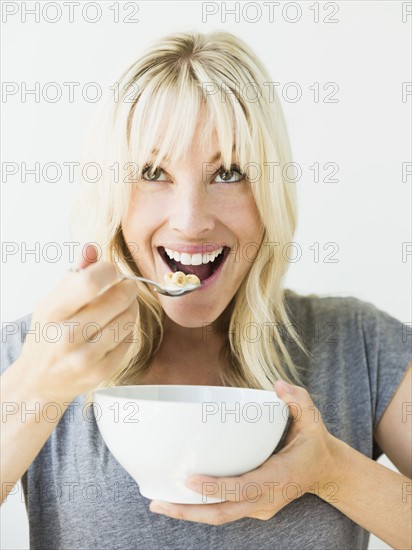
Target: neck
{"points": [[208, 336], [198, 338], [190, 355], [187, 356]]}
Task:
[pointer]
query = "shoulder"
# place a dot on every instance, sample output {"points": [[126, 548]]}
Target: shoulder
{"points": [[358, 356], [350, 312], [324, 304], [352, 325], [13, 334]]}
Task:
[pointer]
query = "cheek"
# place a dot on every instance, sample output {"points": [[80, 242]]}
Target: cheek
{"points": [[245, 221], [142, 218], [135, 238], [249, 233]]}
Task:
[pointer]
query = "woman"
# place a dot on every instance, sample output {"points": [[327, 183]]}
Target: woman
{"points": [[192, 181]]}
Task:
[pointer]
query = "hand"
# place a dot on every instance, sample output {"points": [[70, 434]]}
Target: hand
{"points": [[309, 459], [80, 331]]}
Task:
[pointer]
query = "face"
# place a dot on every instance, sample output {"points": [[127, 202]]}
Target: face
{"points": [[187, 210]]}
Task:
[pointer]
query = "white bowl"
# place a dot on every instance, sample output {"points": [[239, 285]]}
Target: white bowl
{"points": [[163, 434]]}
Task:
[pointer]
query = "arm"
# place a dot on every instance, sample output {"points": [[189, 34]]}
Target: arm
{"points": [[393, 433], [23, 433], [55, 372], [373, 496]]}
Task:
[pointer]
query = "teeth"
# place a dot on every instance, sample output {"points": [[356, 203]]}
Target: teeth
{"points": [[196, 259], [193, 259], [185, 258]]}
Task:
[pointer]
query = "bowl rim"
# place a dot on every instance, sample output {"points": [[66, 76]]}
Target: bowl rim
{"points": [[104, 393]]}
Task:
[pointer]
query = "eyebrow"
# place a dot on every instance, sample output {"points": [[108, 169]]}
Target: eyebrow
{"points": [[216, 157]]}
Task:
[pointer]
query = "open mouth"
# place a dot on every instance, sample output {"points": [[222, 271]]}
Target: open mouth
{"points": [[203, 271]]}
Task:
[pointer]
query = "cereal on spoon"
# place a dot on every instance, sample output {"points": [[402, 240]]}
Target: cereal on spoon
{"points": [[180, 279]]}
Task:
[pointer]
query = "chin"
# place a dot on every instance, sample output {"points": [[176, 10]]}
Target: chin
{"points": [[188, 324], [190, 317]]}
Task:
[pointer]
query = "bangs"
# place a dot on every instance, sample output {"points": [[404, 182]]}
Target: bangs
{"points": [[171, 110]]}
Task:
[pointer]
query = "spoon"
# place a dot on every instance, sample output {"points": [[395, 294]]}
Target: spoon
{"points": [[166, 290]]}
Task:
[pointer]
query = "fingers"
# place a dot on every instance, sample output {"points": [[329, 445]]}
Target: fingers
{"points": [[103, 311], [213, 514], [88, 370], [224, 488], [76, 290], [89, 256], [257, 486], [300, 404], [94, 313], [111, 360], [120, 328], [94, 341]]}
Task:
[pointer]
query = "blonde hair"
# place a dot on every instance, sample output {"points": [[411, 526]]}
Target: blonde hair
{"points": [[184, 78]]}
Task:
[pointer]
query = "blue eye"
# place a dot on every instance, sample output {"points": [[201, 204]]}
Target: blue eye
{"points": [[228, 175]]}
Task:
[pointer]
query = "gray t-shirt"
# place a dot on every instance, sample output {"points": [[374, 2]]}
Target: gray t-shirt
{"points": [[79, 497]]}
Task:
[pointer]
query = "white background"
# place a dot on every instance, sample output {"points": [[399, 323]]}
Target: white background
{"points": [[367, 133]]}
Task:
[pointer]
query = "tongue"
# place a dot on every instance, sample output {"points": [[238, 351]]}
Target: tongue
{"points": [[203, 271]]}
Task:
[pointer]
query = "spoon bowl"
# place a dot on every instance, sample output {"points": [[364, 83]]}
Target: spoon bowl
{"points": [[166, 290]]}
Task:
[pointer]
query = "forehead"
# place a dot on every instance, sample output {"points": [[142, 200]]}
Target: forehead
{"points": [[164, 126], [201, 140]]}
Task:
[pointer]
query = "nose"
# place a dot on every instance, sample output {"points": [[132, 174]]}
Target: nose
{"points": [[191, 210]]}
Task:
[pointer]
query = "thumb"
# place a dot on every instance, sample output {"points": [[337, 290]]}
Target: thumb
{"points": [[89, 256], [300, 404]]}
